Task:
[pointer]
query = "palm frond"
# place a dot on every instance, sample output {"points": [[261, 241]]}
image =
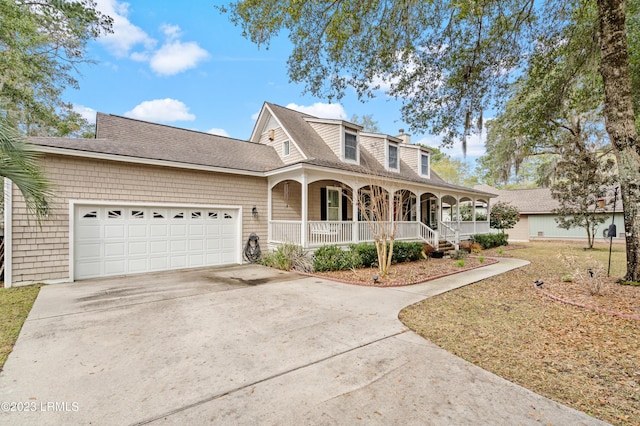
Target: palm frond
{"points": [[19, 162]]}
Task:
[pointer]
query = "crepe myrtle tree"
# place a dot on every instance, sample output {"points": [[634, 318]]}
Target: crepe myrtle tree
{"points": [[503, 216]]}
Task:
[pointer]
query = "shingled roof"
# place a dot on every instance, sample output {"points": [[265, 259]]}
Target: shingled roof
{"points": [[318, 153], [127, 137], [530, 201]]}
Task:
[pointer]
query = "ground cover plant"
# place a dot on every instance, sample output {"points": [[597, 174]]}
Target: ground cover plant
{"points": [[507, 325], [15, 304]]}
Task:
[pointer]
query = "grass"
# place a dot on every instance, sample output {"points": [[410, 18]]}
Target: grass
{"points": [[15, 304], [580, 358]]}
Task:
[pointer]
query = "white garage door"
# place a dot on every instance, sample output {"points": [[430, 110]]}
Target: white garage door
{"points": [[118, 240]]}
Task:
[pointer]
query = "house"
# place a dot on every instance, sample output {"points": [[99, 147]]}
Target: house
{"points": [[537, 219], [144, 197]]}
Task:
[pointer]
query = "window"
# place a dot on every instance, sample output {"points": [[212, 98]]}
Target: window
{"points": [[93, 214], [114, 214], [350, 146], [286, 150], [334, 197], [196, 215], [424, 164], [137, 214], [213, 215], [393, 157]]}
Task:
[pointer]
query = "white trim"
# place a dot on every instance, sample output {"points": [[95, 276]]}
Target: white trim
{"points": [[8, 232], [428, 155], [388, 146], [75, 203], [140, 160], [339, 191], [284, 130], [343, 145]]}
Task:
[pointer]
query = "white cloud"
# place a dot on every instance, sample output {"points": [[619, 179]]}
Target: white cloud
{"points": [[321, 110], [125, 35], [219, 132], [87, 113], [161, 110], [175, 57]]}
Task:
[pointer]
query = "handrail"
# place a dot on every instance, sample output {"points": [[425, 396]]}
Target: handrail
{"points": [[429, 235], [449, 234]]}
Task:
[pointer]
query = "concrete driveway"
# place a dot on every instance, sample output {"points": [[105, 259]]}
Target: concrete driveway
{"points": [[249, 345]]}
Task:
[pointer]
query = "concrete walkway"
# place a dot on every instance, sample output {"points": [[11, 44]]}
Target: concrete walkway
{"points": [[212, 347]]}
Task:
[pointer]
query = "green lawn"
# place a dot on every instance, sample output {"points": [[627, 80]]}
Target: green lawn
{"points": [[15, 304]]}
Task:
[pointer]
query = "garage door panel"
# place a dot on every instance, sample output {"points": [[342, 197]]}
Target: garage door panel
{"points": [[179, 230], [158, 230], [138, 231], [118, 240], [115, 267], [89, 231], [138, 248], [138, 265], [159, 263], [114, 249], [114, 231], [88, 250], [159, 247], [178, 246]]}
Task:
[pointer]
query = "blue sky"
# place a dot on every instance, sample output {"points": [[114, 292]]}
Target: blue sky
{"points": [[184, 64]]}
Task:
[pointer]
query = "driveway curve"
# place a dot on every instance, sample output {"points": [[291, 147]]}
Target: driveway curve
{"points": [[250, 345]]}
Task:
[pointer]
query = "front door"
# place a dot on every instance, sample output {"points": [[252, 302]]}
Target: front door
{"points": [[333, 204]]}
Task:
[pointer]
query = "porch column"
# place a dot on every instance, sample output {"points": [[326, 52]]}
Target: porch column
{"points": [[269, 210], [305, 203], [475, 231], [418, 208], [355, 231]]}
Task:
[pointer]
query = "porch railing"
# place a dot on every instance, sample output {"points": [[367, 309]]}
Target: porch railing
{"points": [[468, 228], [429, 235], [342, 232], [285, 231], [449, 233], [329, 232]]}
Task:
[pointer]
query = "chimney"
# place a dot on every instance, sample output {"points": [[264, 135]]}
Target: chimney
{"points": [[406, 138]]}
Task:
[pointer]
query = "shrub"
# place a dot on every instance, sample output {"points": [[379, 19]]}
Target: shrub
{"points": [[333, 258], [287, 257], [367, 252], [460, 263], [481, 259], [459, 255], [487, 241], [406, 251]]}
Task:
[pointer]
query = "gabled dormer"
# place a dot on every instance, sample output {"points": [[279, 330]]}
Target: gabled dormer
{"points": [[270, 131], [341, 136], [384, 148], [417, 157]]}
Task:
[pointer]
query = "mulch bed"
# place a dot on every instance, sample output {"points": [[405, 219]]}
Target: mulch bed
{"points": [[409, 273]]}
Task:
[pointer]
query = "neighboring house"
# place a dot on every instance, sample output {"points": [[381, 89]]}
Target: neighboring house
{"points": [[537, 220], [147, 197]]}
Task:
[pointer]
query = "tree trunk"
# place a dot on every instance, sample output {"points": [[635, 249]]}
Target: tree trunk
{"points": [[620, 122]]}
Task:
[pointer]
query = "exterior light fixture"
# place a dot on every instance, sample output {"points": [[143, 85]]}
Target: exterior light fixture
{"points": [[254, 212]]}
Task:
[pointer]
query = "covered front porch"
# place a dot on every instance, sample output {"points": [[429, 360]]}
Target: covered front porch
{"points": [[312, 209]]}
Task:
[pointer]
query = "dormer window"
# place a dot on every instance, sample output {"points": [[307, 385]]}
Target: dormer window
{"points": [[286, 149], [392, 156], [350, 146], [424, 165]]}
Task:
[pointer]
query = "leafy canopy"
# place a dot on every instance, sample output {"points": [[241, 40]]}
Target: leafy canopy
{"points": [[41, 44]]}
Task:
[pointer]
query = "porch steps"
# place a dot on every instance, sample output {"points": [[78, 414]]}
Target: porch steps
{"points": [[446, 246]]}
